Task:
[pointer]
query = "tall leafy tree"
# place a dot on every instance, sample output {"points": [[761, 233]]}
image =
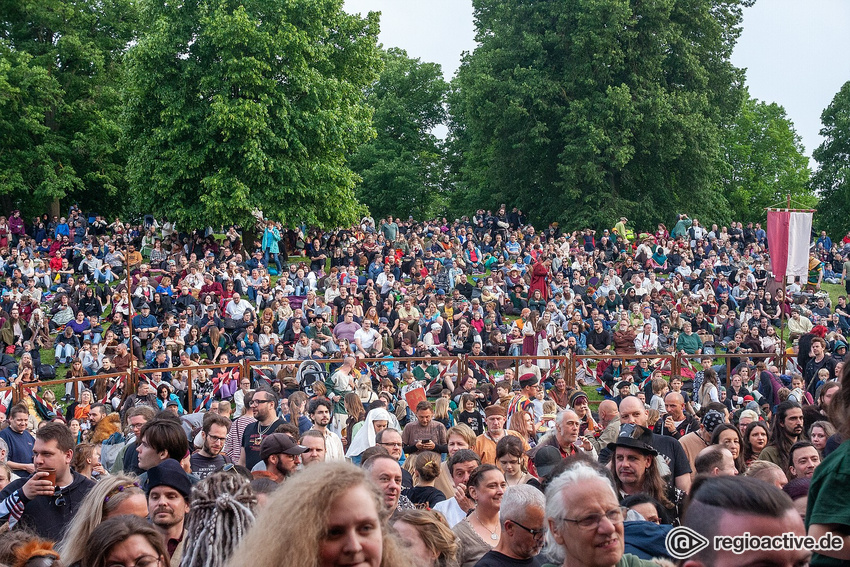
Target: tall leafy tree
{"points": [[401, 168], [832, 179], [27, 95], [763, 161], [586, 110], [239, 106], [74, 152]]}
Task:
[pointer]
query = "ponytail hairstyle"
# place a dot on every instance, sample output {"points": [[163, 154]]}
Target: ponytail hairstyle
{"points": [[427, 465]]}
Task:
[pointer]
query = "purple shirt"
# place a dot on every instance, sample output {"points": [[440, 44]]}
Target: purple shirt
{"points": [[346, 330]]}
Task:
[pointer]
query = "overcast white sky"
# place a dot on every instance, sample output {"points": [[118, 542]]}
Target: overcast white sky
{"points": [[797, 52]]}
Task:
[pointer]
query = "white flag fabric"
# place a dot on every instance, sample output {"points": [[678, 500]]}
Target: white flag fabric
{"points": [[788, 237]]}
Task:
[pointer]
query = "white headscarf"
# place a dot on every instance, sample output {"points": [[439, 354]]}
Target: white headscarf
{"points": [[365, 437]]}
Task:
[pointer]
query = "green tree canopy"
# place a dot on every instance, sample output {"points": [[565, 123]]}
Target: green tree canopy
{"points": [[233, 107], [68, 56], [832, 179], [763, 161], [582, 111], [401, 168]]}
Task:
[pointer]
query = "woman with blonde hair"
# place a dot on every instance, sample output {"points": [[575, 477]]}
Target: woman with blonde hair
{"points": [[344, 523], [428, 537], [442, 413], [461, 436], [363, 386], [115, 495]]}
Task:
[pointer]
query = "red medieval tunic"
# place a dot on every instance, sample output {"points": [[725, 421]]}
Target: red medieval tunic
{"points": [[539, 279]]}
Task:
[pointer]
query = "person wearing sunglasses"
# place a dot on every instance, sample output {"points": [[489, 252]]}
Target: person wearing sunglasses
{"points": [[523, 518], [46, 501]]}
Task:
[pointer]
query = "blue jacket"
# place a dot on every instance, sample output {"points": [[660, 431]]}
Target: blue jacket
{"points": [[270, 240]]}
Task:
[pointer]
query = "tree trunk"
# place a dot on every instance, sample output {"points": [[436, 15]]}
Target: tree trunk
{"points": [[54, 209]]}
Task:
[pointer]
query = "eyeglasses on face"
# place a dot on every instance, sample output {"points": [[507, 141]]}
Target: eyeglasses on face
{"points": [[615, 516], [258, 402], [390, 444], [536, 534]]}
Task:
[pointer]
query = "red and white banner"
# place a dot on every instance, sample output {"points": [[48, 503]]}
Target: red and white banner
{"points": [[788, 237]]}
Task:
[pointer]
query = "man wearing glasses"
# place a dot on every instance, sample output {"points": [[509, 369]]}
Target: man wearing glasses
{"points": [[128, 458], [264, 407], [390, 439], [46, 501], [210, 458], [522, 515], [586, 520]]}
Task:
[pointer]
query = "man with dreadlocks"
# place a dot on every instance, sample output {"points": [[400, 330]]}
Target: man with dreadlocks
{"points": [[223, 510], [168, 489]]}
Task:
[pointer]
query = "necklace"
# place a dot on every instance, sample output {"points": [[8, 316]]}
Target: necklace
{"points": [[493, 535], [260, 429]]}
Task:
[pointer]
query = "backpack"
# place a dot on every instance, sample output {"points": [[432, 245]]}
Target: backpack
{"points": [[46, 372]]}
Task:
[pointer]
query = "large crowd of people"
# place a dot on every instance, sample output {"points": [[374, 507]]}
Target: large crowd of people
{"points": [[419, 459]]}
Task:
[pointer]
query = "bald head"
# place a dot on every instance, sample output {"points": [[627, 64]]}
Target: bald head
{"points": [[632, 410], [674, 404], [608, 412]]}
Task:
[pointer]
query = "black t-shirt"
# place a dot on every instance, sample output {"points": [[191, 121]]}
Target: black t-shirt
{"points": [[203, 466], [425, 496], [252, 439], [473, 419], [673, 454], [495, 559]]}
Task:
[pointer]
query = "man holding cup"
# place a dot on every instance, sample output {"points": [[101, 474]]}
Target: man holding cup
{"points": [[46, 501]]}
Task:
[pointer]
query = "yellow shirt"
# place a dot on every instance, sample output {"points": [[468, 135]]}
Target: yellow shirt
{"points": [[134, 258]]}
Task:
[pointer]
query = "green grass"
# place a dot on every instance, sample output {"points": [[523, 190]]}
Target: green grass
{"points": [[592, 394], [834, 291]]}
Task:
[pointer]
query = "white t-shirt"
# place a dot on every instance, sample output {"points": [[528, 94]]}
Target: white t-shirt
{"points": [[367, 337], [452, 512]]}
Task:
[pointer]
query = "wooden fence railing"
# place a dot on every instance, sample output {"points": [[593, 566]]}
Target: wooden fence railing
{"points": [[488, 367]]}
